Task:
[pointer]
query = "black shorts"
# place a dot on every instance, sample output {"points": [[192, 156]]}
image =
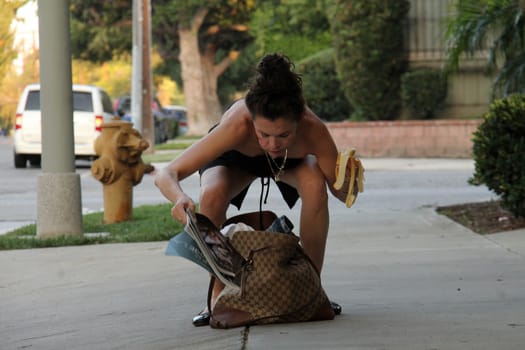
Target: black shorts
{"points": [[259, 167]]}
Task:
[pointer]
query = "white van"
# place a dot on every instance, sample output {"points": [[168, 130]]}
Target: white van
{"points": [[91, 107]]}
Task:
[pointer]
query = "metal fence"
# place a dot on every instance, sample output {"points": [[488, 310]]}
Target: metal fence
{"points": [[425, 31], [426, 27]]}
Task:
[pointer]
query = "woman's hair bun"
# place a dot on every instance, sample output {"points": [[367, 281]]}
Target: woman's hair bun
{"points": [[275, 73], [277, 89], [274, 64]]}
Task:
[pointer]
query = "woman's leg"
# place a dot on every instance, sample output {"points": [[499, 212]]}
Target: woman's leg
{"points": [[311, 185], [219, 185]]}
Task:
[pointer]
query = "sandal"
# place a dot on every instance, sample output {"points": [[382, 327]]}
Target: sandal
{"points": [[336, 307], [202, 318]]}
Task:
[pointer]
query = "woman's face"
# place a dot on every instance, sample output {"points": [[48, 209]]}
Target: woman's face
{"points": [[275, 136]]}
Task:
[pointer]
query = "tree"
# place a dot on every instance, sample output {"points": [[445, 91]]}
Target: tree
{"points": [[112, 76], [206, 40], [7, 50], [12, 86], [298, 28], [203, 39], [7, 54], [498, 25], [368, 40], [321, 87], [100, 29], [499, 152]]}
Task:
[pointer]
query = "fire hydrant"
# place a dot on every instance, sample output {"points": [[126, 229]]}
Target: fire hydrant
{"points": [[119, 167]]}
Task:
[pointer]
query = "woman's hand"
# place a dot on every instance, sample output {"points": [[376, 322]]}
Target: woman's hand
{"points": [[349, 176], [178, 211]]}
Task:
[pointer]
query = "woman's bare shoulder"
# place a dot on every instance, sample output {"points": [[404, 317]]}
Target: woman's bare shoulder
{"points": [[237, 111], [237, 120], [315, 134], [313, 125]]}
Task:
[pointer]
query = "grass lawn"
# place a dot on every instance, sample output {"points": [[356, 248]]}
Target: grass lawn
{"points": [[160, 157], [166, 152], [150, 223]]}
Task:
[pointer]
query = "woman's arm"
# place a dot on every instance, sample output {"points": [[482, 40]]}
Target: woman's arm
{"points": [[168, 182], [326, 154], [232, 130]]}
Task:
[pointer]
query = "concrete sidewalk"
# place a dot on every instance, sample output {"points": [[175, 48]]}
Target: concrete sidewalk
{"points": [[407, 278]]}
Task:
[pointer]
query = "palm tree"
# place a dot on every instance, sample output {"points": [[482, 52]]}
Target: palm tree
{"points": [[496, 25]]}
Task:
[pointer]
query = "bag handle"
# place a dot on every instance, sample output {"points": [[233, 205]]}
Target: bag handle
{"points": [[210, 292], [259, 220]]}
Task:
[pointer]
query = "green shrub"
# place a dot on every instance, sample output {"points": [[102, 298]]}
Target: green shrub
{"points": [[499, 152], [321, 87], [368, 41], [424, 92]]}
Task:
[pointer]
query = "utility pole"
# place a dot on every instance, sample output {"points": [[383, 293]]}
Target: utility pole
{"points": [[148, 125], [59, 204], [141, 96], [136, 66]]}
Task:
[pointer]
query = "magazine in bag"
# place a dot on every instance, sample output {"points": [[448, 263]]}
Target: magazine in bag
{"points": [[203, 243]]}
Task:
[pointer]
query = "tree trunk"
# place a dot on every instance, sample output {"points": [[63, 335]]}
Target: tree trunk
{"points": [[203, 107], [199, 75]]}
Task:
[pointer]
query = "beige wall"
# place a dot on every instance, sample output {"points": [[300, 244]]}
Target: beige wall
{"points": [[406, 139]]}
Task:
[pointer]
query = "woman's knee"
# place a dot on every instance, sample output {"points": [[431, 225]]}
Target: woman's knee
{"points": [[213, 198], [213, 202], [316, 191], [312, 185]]}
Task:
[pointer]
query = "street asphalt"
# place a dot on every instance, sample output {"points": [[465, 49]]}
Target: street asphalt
{"points": [[406, 277]]}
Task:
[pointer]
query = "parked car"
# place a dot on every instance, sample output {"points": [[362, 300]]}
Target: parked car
{"points": [[165, 128], [91, 108], [179, 113]]}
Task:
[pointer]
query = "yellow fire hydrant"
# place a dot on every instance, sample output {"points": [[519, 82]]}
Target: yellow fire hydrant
{"points": [[119, 167]]}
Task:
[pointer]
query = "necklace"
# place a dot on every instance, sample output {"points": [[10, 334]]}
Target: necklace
{"points": [[280, 168]]}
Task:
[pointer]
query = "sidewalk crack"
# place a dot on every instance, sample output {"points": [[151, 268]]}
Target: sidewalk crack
{"points": [[245, 333], [501, 245]]}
